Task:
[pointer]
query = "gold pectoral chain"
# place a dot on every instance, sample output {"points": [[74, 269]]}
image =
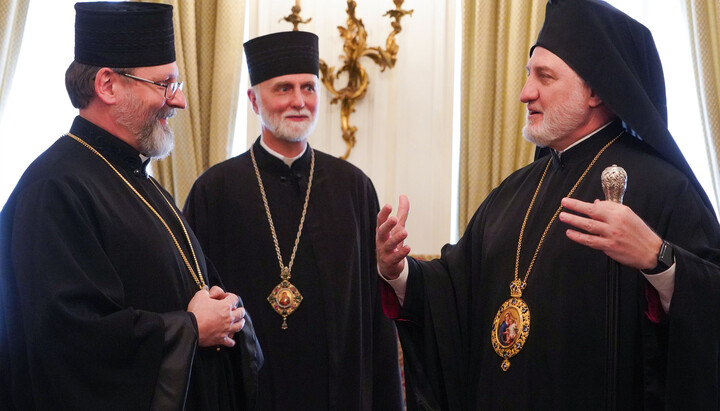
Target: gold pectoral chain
{"points": [[285, 297], [199, 280], [511, 326]]}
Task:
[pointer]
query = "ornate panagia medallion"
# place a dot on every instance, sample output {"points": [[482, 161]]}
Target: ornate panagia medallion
{"points": [[285, 298], [511, 325]]}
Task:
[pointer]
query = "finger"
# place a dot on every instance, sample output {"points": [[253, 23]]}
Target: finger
{"points": [[238, 326], [230, 299], [597, 210], [228, 342], [395, 249], [588, 240], [392, 241], [397, 239], [216, 292], [202, 293], [402, 252], [576, 221], [576, 205], [198, 300], [596, 226], [383, 230], [403, 209], [384, 214], [233, 298], [238, 314]]}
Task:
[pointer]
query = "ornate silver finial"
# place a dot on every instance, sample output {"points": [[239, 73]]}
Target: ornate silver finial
{"points": [[614, 183]]}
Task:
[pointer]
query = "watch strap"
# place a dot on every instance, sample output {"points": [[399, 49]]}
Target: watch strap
{"points": [[665, 259]]}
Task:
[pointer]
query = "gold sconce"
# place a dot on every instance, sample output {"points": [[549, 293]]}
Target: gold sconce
{"points": [[294, 17], [355, 48]]}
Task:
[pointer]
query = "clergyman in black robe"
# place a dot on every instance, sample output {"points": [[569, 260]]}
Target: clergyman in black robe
{"points": [[338, 351], [100, 309], [452, 309]]}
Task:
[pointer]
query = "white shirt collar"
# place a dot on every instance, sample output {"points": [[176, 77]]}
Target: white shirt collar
{"points": [[559, 153], [286, 160]]}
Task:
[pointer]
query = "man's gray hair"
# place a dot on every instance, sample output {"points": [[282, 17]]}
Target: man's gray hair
{"points": [[80, 82]]}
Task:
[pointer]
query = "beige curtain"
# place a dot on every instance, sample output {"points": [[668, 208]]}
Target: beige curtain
{"points": [[12, 21], [497, 36], [208, 45], [704, 23]]}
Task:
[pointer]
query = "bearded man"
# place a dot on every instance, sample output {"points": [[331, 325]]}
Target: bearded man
{"points": [[291, 229], [540, 246], [107, 299]]}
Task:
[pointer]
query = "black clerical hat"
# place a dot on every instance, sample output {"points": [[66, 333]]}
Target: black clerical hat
{"points": [[124, 34], [278, 54], [616, 56]]}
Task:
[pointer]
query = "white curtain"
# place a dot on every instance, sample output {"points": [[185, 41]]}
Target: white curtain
{"points": [[12, 18]]}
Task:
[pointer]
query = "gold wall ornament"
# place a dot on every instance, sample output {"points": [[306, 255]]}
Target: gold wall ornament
{"points": [[355, 48], [294, 17]]}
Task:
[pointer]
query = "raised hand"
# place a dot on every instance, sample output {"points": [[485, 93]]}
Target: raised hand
{"points": [[390, 238]]}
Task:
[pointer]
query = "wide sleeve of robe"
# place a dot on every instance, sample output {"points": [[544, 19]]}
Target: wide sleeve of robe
{"points": [[432, 327], [693, 330]]}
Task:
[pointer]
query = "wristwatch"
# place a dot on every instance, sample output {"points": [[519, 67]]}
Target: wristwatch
{"points": [[665, 259]]}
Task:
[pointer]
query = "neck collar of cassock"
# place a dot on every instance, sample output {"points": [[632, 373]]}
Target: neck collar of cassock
{"points": [[580, 154], [115, 150], [270, 163]]}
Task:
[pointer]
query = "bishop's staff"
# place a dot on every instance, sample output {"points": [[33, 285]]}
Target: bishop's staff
{"points": [[614, 183]]}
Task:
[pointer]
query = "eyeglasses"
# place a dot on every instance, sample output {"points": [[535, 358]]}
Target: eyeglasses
{"points": [[170, 88]]}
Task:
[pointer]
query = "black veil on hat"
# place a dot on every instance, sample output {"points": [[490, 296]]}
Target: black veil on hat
{"points": [[616, 56], [278, 54], [124, 34]]}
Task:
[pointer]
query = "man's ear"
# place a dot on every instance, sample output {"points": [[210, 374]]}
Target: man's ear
{"points": [[595, 100], [106, 85], [253, 100]]}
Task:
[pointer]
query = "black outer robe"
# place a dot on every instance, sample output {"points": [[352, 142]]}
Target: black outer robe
{"points": [[450, 303], [339, 351], [94, 292]]}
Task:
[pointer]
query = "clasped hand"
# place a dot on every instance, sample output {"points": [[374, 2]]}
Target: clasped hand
{"points": [[614, 229], [218, 316]]}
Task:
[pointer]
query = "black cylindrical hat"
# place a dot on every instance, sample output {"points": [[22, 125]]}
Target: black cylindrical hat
{"points": [[124, 34], [278, 54]]}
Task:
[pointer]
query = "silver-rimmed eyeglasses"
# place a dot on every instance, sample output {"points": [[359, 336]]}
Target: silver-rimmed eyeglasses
{"points": [[170, 88]]}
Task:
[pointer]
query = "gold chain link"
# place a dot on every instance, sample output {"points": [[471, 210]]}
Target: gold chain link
{"points": [[283, 269], [199, 280], [557, 212]]}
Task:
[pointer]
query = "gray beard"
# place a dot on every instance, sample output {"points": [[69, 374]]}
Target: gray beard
{"points": [[557, 122], [154, 139], [286, 131]]}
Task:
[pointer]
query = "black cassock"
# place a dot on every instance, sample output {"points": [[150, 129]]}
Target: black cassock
{"points": [[446, 320], [339, 351], [94, 292]]}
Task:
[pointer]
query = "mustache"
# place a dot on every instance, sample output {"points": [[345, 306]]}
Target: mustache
{"points": [[303, 112], [532, 109], [166, 112]]}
